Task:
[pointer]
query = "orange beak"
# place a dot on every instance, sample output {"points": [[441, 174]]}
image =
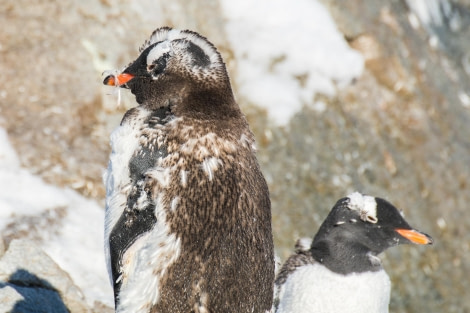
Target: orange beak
{"points": [[121, 79], [415, 236]]}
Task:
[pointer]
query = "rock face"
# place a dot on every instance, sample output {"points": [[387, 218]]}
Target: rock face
{"points": [[30, 281], [401, 131]]}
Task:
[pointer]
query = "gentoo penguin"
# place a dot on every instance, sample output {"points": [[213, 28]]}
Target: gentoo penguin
{"points": [[340, 271], [188, 217]]}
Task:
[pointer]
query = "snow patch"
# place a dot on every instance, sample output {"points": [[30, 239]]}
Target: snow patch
{"points": [[289, 55], [76, 245]]}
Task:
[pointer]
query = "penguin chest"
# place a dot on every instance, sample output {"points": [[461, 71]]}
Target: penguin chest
{"points": [[314, 288], [139, 245]]}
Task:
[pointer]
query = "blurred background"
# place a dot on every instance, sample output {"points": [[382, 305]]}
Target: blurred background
{"points": [[369, 96]]}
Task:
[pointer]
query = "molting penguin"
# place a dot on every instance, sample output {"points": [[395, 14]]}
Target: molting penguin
{"points": [[188, 218], [340, 271]]}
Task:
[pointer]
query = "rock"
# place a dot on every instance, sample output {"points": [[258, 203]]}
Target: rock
{"points": [[8, 297], [2, 247], [99, 307], [23, 299], [30, 281]]}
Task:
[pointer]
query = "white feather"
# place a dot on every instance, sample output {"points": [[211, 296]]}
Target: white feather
{"points": [[174, 34], [145, 263], [184, 177], [365, 205], [161, 175], [174, 203], [158, 51], [117, 180], [210, 165]]}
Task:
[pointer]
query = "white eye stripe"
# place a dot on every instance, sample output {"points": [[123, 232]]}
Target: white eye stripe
{"points": [[158, 51], [167, 35]]}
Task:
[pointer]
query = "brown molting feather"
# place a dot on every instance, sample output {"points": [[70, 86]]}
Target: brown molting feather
{"points": [[195, 164], [221, 226]]}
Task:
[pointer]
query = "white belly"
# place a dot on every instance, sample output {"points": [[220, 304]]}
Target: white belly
{"points": [[316, 289]]}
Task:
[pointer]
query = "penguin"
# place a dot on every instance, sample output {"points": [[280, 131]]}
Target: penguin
{"points": [[188, 214], [339, 270]]}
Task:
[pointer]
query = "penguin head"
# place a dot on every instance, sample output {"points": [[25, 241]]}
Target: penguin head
{"points": [[172, 64], [363, 226], [372, 222]]}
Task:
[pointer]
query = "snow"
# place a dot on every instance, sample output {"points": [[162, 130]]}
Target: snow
{"points": [[76, 243], [286, 53]]}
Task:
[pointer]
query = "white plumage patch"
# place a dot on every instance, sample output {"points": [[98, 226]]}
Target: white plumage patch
{"points": [[143, 200], [149, 257], [117, 180], [161, 175], [246, 142], [209, 145], [158, 51], [315, 289], [166, 34], [174, 203], [303, 244], [184, 178], [210, 165], [365, 205], [144, 263]]}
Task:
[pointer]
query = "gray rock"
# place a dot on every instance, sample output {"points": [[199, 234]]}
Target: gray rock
{"points": [[8, 297], [30, 281]]}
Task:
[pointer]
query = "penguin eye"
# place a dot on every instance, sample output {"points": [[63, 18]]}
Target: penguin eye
{"points": [[158, 66]]}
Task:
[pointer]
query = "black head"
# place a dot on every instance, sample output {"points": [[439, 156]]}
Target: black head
{"points": [[359, 228], [172, 66]]}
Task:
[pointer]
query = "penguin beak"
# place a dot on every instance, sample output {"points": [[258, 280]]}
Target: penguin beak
{"points": [[415, 236], [119, 80]]}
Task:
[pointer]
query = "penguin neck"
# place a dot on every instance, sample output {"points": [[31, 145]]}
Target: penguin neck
{"points": [[192, 101], [156, 97], [345, 257]]}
